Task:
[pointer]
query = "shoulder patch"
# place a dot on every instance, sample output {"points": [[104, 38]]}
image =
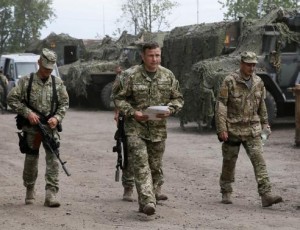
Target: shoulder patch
{"points": [[223, 92]]}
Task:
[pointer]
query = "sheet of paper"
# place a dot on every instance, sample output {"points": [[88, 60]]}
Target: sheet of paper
{"points": [[152, 111]]}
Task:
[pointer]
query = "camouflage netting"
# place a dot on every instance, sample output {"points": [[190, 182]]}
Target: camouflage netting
{"points": [[187, 45], [200, 87], [57, 43], [79, 75], [110, 49]]}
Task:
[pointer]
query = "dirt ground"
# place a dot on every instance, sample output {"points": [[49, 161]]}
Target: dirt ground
{"points": [[91, 199]]}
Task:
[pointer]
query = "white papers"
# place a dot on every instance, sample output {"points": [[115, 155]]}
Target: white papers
{"points": [[152, 111]]}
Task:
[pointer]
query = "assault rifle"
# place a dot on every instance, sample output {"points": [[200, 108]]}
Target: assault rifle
{"points": [[52, 145], [121, 147]]}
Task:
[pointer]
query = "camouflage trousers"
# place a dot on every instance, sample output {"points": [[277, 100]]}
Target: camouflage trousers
{"points": [[147, 165], [254, 150], [30, 171], [128, 173]]}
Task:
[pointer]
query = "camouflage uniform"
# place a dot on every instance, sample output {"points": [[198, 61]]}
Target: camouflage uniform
{"points": [[127, 173], [3, 90], [146, 139], [241, 111], [40, 100]]}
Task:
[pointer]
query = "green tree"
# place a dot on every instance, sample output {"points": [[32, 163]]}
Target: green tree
{"points": [[253, 9], [21, 22], [147, 14], [5, 23]]}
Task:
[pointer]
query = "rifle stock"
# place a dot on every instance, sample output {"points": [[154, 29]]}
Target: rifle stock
{"points": [[52, 146]]}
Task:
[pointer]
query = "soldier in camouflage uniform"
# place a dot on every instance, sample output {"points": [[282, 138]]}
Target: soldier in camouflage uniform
{"points": [[3, 90], [127, 173], [39, 104], [240, 116], [148, 85]]}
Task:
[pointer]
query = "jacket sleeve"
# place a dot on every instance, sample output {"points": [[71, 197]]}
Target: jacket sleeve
{"points": [[262, 109], [221, 107], [63, 101], [176, 99], [16, 96], [120, 98]]}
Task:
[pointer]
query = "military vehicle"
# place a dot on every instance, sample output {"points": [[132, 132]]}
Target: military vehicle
{"points": [[275, 38], [89, 82]]}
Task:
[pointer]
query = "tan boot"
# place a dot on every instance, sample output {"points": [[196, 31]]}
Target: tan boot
{"points": [[30, 194], [226, 198], [268, 200], [51, 200], [127, 196], [159, 195], [149, 209]]}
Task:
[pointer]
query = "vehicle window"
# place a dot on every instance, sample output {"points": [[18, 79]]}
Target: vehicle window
{"points": [[23, 69], [289, 47]]}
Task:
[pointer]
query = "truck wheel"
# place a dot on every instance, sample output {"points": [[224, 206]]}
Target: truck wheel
{"points": [[271, 107], [106, 102]]}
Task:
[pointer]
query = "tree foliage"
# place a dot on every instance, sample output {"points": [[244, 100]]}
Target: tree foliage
{"points": [[149, 15], [253, 9], [21, 22]]}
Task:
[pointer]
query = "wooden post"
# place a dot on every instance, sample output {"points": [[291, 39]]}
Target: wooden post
{"points": [[297, 114]]}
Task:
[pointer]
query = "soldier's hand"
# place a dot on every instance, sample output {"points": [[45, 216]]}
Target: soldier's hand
{"points": [[116, 116], [223, 136], [139, 116], [52, 122], [33, 118]]}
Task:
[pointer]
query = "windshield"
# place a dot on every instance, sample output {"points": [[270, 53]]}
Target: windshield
{"points": [[25, 68]]}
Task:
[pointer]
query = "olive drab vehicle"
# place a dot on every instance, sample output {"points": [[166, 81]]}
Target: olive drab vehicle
{"points": [[89, 82], [276, 40]]}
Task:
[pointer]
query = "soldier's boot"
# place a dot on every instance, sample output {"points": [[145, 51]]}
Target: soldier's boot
{"points": [[159, 195], [149, 209], [51, 200], [127, 196], [268, 200], [30, 195], [226, 198]]}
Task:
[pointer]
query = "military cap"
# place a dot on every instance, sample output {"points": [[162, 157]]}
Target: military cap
{"points": [[249, 57], [48, 58]]}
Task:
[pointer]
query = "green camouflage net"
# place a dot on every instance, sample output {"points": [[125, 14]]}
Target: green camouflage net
{"points": [[79, 75]]}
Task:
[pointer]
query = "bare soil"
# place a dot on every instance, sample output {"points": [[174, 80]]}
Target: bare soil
{"points": [[91, 199]]}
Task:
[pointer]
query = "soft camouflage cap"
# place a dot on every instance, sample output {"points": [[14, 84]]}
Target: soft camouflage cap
{"points": [[249, 57], [48, 58]]}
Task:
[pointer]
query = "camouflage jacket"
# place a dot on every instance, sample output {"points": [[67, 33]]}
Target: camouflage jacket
{"points": [[241, 110], [139, 92], [40, 97]]}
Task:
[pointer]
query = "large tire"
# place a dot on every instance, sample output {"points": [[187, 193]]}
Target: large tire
{"points": [[271, 107], [106, 101]]}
